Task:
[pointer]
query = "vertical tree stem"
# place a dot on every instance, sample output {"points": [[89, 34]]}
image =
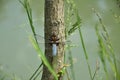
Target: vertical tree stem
{"points": [[54, 22]]}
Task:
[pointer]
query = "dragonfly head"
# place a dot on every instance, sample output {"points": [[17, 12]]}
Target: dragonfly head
{"points": [[54, 37]]}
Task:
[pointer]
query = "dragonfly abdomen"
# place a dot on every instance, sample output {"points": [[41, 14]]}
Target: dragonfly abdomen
{"points": [[54, 49]]}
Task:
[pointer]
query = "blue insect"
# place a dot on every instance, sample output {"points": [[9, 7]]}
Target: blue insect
{"points": [[54, 41], [54, 49]]}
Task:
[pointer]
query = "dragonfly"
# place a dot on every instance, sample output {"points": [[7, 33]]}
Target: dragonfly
{"points": [[53, 41]]}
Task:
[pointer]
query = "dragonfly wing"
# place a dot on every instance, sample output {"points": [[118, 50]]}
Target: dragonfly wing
{"points": [[40, 39], [54, 49]]}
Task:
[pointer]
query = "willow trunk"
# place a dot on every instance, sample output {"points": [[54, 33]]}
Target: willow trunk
{"points": [[54, 22]]}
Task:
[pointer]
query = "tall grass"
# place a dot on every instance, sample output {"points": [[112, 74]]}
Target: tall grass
{"points": [[83, 45], [69, 29], [72, 10], [107, 51]]}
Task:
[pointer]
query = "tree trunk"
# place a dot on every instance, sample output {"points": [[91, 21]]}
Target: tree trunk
{"points": [[54, 22]]}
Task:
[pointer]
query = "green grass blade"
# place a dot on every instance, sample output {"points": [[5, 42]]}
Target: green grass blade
{"points": [[102, 52], [42, 56], [82, 41], [85, 52], [76, 24], [36, 71], [28, 9]]}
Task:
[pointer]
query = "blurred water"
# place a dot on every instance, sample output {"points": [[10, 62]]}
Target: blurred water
{"points": [[17, 56]]}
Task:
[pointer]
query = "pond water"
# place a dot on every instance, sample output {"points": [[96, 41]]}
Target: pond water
{"points": [[18, 57]]}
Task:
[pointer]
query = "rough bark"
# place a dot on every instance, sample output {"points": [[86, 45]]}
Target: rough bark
{"points": [[54, 22]]}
